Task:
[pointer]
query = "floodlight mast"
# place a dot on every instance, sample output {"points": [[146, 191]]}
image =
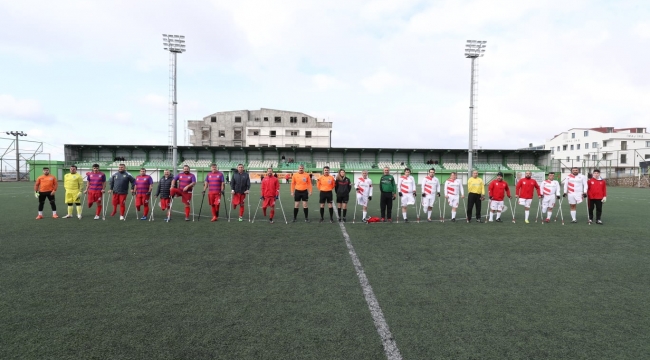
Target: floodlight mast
{"points": [[17, 134], [473, 50], [175, 44]]}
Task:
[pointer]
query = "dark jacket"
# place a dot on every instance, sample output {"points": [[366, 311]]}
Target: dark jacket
{"points": [[240, 182], [343, 187], [164, 187], [119, 182]]}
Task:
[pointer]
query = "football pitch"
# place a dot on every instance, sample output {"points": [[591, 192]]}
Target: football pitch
{"points": [[86, 289]]}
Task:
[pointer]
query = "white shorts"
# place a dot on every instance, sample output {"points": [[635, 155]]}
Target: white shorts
{"points": [[496, 205], [428, 201], [362, 200], [408, 199], [574, 198], [548, 201], [453, 201], [525, 202]]}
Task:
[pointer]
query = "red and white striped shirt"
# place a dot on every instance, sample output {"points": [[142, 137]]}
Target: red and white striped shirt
{"points": [[453, 188], [406, 184]]}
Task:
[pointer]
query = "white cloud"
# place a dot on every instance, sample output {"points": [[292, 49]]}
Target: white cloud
{"points": [[642, 30], [380, 81], [324, 82], [19, 108]]}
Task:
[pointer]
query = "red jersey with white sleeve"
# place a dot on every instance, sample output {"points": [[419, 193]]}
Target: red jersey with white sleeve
{"points": [[430, 186], [454, 188], [575, 184], [270, 186], [550, 188], [363, 186], [525, 188], [498, 189], [406, 184], [597, 189]]}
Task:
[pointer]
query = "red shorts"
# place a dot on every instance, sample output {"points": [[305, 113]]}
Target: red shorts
{"points": [[164, 203], [238, 199], [119, 199], [186, 197], [214, 198], [141, 199], [94, 197], [269, 202]]}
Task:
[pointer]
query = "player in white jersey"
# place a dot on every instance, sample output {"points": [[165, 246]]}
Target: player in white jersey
{"points": [[550, 191], [575, 189], [430, 189], [363, 185], [453, 192], [406, 188]]}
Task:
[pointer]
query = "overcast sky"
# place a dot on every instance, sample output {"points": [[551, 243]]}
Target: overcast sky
{"points": [[386, 73]]}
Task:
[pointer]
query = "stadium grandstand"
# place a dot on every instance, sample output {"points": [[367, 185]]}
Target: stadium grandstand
{"points": [[287, 159]]}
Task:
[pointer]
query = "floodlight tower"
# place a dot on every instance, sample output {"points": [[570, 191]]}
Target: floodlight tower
{"points": [[175, 44], [473, 50], [17, 134]]}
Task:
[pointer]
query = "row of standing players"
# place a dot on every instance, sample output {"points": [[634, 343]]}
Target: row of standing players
{"points": [[576, 188]]}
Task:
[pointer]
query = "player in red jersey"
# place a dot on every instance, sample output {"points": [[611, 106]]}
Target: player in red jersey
{"points": [[270, 193], [497, 191], [215, 183], [525, 190], [95, 189], [186, 182], [143, 189]]}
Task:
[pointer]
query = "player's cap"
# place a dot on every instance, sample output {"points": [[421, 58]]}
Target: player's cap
{"points": [[500, 174]]}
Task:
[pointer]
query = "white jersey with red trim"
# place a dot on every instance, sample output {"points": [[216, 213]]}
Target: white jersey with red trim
{"points": [[550, 188], [430, 185], [406, 184], [575, 184], [363, 186], [454, 188]]}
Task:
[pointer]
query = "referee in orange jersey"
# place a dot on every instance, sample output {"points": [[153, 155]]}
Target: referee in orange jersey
{"points": [[325, 184], [300, 190]]}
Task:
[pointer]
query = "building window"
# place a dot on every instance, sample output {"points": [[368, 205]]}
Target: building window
{"points": [[257, 119], [272, 146], [237, 118], [255, 133], [573, 135], [222, 133], [604, 143], [604, 156], [251, 145], [213, 119], [272, 133], [594, 145], [586, 133], [586, 146], [307, 134], [266, 119], [571, 147], [623, 159], [578, 147], [623, 145], [264, 145], [558, 148], [647, 144], [277, 119], [564, 147], [294, 133], [567, 158], [647, 156], [593, 157], [293, 119], [304, 120], [578, 158], [237, 135]]}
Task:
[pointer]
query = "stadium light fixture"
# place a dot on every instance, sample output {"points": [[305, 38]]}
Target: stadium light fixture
{"points": [[175, 44], [474, 49]]}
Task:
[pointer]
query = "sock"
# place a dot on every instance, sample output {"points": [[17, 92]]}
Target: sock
{"points": [[331, 211], [322, 212], [138, 208], [264, 211], [70, 210], [491, 216], [146, 210], [526, 212], [573, 214], [453, 214], [499, 215], [338, 211], [295, 213], [241, 210], [429, 214], [217, 212], [345, 212], [549, 214], [122, 210], [404, 214], [54, 212], [99, 210], [306, 211], [78, 209], [187, 212], [272, 213], [214, 210], [544, 209], [365, 213], [40, 213], [114, 210]]}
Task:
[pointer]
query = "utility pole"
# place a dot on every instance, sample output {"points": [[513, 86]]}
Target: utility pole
{"points": [[17, 134]]}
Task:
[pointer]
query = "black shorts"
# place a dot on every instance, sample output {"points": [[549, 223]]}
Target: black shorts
{"points": [[343, 199], [301, 195], [325, 196]]}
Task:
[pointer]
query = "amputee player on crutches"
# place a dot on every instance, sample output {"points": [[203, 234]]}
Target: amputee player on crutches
{"points": [[118, 186], [575, 190], [186, 182], [95, 187], [430, 190], [143, 189], [551, 192], [215, 184], [240, 186], [497, 190], [524, 192], [270, 193]]}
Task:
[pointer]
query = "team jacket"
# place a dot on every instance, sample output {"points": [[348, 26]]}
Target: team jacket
{"points": [[430, 186], [550, 188], [240, 182], [597, 189], [343, 186], [363, 186], [270, 186], [525, 188], [498, 189], [120, 181], [164, 187]]}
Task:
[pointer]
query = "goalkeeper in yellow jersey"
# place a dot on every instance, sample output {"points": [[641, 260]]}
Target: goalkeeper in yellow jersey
{"points": [[73, 184]]}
